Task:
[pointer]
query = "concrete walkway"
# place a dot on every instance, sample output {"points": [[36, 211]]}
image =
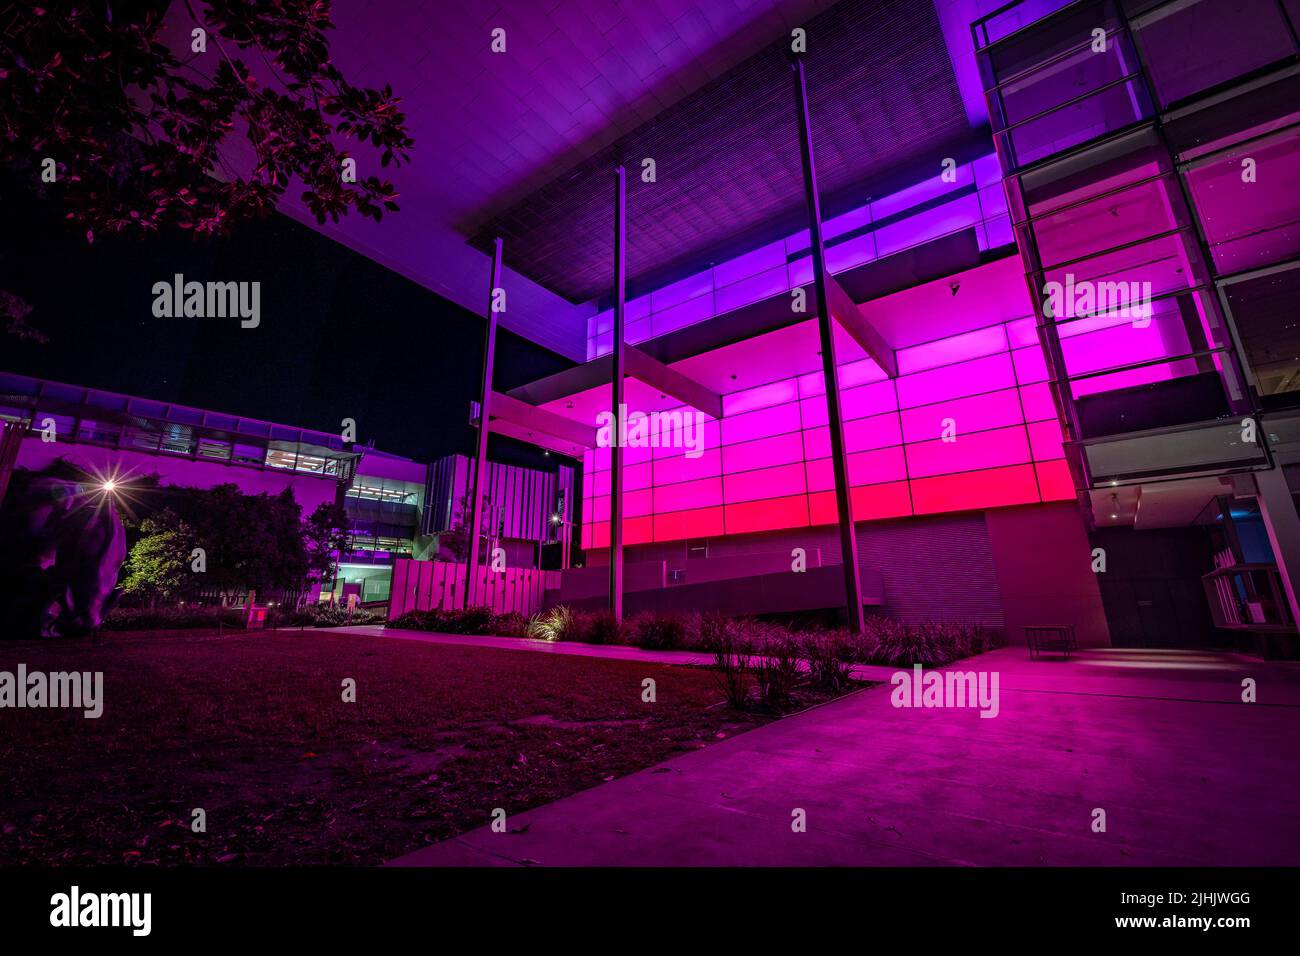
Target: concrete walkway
{"points": [[1160, 740], [616, 652]]}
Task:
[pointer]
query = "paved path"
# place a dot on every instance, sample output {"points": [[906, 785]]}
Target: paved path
{"points": [[615, 652], [1160, 740]]}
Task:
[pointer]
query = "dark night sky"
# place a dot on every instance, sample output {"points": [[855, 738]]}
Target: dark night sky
{"points": [[340, 336]]}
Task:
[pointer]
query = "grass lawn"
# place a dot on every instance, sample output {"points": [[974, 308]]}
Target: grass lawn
{"points": [[253, 730]]}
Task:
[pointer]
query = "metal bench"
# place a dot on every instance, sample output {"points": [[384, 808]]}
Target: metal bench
{"points": [[1056, 638]]}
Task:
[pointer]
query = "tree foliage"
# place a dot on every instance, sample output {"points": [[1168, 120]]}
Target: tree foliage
{"points": [[140, 134], [324, 533], [156, 566]]}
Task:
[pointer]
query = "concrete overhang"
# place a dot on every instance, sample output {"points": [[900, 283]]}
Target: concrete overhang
{"points": [[518, 419], [641, 366]]}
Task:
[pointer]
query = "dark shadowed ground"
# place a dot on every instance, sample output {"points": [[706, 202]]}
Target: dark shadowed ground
{"points": [[253, 730]]}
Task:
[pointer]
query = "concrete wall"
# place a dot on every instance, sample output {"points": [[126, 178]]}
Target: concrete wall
{"points": [[1043, 561], [934, 568]]}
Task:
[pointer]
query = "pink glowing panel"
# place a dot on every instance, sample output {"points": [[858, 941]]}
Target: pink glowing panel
{"points": [[677, 434], [857, 402], [1103, 223], [638, 530], [639, 331], [1121, 345], [636, 503], [1037, 402], [1022, 333], [866, 400], [754, 289], [850, 253], [987, 374], [956, 348], [767, 515], [766, 259], [600, 483], [971, 490], [684, 495], [971, 451], [761, 424], [1111, 319], [599, 460], [636, 455], [865, 468], [692, 287], [930, 188], [1161, 262], [859, 435], [781, 450], [875, 432], [846, 222], [1030, 365], [801, 271], [1054, 481], [1045, 440], [701, 523], [980, 412], [682, 468], [1252, 223], [765, 396], [595, 534], [680, 316], [1148, 374], [849, 375], [781, 481], [638, 476], [598, 508], [869, 503], [931, 224]]}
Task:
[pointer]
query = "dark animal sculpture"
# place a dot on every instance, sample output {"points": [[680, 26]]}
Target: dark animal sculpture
{"points": [[61, 546]]}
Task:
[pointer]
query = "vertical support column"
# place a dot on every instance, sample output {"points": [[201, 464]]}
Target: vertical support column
{"points": [[825, 327], [618, 366], [1277, 508], [484, 411]]}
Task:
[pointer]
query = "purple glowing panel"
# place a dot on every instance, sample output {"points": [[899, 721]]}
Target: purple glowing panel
{"points": [[969, 423]]}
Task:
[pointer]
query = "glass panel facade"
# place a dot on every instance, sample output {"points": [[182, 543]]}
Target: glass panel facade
{"points": [[967, 424]]}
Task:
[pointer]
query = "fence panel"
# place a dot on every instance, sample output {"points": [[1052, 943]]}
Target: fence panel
{"points": [[433, 585]]}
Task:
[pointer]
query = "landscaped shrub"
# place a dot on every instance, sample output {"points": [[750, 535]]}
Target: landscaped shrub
{"points": [[510, 624], [171, 618], [932, 644], [562, 623], [659, 632], [829, 666], [321, 615], [599, 627], [776, 669], [732, 658], [553, 624], [471, 620]]}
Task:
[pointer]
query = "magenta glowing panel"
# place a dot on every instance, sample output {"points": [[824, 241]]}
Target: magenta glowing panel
{"points": [[969, 423]]}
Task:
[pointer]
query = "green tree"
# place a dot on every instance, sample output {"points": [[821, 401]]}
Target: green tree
{"points": [[252, 541], [158, 563], [324, 533]]}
